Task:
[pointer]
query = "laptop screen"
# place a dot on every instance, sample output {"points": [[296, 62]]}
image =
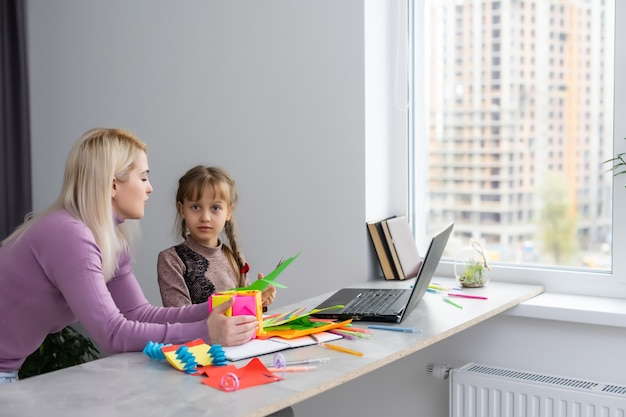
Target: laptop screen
{"points": [[429, 265]]}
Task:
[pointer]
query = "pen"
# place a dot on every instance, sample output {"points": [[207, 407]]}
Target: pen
{"points": [[360, 335], [343, 334], [336, 347], [439, 287], [293, 369], [307, 361], [449, 301], [396, 329], [478, 297], [356, 329]]}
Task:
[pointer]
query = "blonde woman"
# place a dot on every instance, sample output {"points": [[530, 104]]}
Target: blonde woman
{"points": [[73, 262]]}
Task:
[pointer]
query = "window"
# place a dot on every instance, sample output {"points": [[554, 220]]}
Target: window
{"points": [[550, 216]]}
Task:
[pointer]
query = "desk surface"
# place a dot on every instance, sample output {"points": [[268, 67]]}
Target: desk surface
{"points": [[131, 384]]}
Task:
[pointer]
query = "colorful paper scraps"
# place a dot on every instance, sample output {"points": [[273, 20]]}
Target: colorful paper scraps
{"points": [[198, 358], [261, 284], [230, 378], [297, 323], [284, 318], [187, 357], [303, 327]]}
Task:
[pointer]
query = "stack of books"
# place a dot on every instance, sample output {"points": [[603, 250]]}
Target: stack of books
{"points": [[395, 247]]}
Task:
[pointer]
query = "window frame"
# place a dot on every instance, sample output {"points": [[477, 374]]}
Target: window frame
{"points": [[560, 280]]}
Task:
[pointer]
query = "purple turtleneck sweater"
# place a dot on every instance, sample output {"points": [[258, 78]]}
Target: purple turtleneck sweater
{"points": [[52, 276]]}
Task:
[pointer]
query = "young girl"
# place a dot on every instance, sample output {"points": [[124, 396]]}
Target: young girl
{"points": [[73, 262], [203, 264]]}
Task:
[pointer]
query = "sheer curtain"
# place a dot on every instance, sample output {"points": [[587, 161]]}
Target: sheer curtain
{"points": [[15, 170]]}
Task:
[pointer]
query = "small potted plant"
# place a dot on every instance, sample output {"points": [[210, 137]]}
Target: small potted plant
{"points": [[471, 266]]}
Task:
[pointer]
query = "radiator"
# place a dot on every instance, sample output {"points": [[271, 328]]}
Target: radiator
{"points": [[488, 391]]}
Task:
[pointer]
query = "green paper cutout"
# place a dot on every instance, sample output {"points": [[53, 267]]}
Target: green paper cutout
{"points": [[301, 323], [285, 319], [261, 284]]}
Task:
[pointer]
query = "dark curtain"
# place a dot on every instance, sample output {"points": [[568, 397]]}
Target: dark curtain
{"points": [[15, 169]]}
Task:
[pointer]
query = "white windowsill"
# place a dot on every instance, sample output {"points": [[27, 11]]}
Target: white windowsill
{"points": [[602, 311]]}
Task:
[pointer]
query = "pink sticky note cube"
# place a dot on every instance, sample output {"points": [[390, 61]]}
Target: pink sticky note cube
{"points": [[247, 303]]}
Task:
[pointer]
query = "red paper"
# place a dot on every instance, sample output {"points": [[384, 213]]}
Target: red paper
{"points": [[250, 375]]}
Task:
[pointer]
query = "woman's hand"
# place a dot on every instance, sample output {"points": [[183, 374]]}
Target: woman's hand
{"points": [[230, 331], [268, 294]]}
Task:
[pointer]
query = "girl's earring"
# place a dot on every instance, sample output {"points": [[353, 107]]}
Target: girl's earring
{"points": [[114, 198]]}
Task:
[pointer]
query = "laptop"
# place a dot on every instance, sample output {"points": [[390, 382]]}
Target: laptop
{"points": [[387, 304]]}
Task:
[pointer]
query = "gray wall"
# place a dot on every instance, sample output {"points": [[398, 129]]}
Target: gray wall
{"points": [[273, 91]]}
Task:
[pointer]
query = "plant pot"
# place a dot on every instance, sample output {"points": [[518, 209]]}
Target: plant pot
{"points": [[470, 267]]}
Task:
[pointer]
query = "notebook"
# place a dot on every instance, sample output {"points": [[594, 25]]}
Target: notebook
{"points": [[405, 247], [258, 347], [386, 304]]}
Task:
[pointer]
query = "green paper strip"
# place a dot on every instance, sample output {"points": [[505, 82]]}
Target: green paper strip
{"points": [[261, 284], [291, 316]]}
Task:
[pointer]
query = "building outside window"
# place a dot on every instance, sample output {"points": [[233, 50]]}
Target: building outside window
{"points": [[513, 119]]}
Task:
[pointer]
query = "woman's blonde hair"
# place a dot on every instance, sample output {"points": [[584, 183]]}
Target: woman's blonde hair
{"points": [[99, 156]]}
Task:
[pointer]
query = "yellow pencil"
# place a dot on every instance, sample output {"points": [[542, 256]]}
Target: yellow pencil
{"points": [[336, 347], [341, 349]]}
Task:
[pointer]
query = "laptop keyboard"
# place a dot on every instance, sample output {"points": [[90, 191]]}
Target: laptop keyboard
{"points": [[372, 302]]}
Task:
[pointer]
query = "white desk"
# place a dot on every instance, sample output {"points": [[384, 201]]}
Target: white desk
{"points": [[131, 384]]}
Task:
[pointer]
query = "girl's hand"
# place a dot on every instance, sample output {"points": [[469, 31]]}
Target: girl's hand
{"points": [[268, 294], [230, 331]]}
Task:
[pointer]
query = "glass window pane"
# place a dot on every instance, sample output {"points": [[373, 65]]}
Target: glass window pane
{"points": [[517, 120]]}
